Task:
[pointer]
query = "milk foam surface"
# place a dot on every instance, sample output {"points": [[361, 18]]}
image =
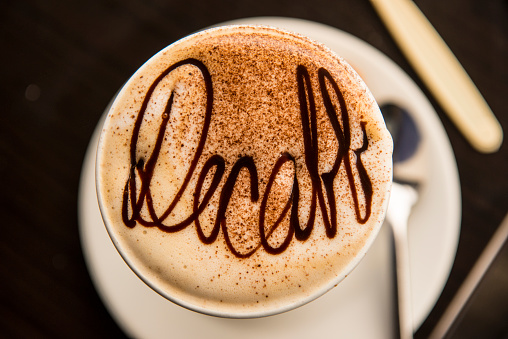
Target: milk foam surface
{"points": [[239, 104]]}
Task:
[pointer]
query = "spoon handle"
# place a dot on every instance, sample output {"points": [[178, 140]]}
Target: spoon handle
{"points": [[402, 199], [441, 72], [399, 228]]}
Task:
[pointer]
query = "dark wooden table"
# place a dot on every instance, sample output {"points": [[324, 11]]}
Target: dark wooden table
{"points": [[62, 61]]}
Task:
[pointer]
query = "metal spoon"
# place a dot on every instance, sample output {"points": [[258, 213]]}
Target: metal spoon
{"points": [[403, 196]]}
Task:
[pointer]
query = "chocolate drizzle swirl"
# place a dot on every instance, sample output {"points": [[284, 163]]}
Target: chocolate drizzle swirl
{"points": [[135, 198]]}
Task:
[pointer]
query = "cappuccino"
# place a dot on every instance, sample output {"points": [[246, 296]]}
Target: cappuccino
{"points": [[243, 171]]}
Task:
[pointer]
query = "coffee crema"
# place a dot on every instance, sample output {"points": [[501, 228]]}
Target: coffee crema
{"points": [[243, 170]]}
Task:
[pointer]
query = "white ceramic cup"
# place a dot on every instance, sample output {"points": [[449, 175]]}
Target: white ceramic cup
{"points": [[173, 271]]}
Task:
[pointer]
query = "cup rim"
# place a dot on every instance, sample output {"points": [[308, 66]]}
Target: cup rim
{"points": [[278, 309]]}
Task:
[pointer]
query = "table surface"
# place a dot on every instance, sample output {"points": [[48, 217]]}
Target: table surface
{"points": [[63, 61]]}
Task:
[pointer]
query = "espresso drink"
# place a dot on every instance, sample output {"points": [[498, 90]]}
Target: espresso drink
{"points": [[243, 171]]}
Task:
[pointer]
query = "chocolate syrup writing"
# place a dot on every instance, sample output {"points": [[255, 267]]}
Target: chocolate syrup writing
{"points": [[134, 199]]}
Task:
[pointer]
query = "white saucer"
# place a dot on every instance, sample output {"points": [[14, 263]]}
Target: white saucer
{"points": [[362, 305]]}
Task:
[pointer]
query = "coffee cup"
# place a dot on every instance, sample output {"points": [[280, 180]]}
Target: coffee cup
{"points": [[243, 171]]}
